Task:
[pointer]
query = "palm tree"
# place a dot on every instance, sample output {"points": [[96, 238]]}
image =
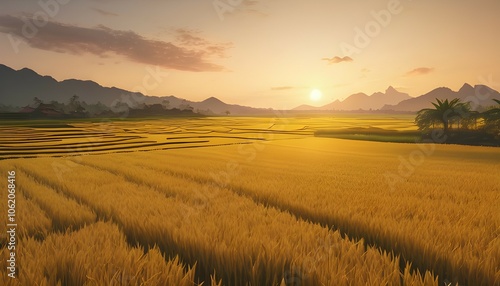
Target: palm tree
{"points": [[492, 119], [492, 114], [444, 112], [472, 119]]}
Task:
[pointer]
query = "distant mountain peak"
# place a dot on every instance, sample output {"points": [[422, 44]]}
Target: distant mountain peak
{"points": [[359, 95], [306, 107], [466, 88], [440, 89], [212, 100], [28, 71], [390, 89]]}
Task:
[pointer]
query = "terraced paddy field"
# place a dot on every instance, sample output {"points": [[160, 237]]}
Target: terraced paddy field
{"points": [[248, 201], [54, 138]]}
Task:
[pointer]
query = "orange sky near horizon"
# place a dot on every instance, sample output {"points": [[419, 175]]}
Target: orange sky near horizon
{"points": [[253, 52]]}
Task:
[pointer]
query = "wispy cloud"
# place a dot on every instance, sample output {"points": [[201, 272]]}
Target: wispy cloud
{"points": [[104, 12], [419, 71], [281, 88], [337, 59], [190, 37], [193, 53]]}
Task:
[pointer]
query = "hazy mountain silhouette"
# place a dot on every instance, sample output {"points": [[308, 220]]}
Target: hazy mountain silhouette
{"points": [[306, 107], [219, 107], [362, 101], [480, 95], [18, 88]]}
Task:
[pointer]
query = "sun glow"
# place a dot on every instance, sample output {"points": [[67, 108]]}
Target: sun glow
{"points": [[316, 94]]}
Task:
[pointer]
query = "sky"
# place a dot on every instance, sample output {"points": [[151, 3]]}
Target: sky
{"points": [[260, 53]]}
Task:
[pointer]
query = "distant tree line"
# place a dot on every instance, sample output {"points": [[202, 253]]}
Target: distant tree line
{"points": [[75, 108]]}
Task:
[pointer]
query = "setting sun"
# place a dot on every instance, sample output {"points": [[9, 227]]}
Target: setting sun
{"points": [[316, 95]]}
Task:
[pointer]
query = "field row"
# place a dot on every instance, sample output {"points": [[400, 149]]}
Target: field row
{"points": [[207, 226], [35, 139], [442, 216], [61, 243]]}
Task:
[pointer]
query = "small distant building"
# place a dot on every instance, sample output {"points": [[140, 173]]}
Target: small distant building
{"points": [[43, 111], [27, 109]]}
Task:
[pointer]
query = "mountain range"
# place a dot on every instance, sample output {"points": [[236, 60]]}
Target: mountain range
{"points": [[478, 95], [363, 101], [19, 87], [395, 101]]}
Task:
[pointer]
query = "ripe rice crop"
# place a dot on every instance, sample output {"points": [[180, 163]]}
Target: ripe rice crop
{"points": [[262, 203], [447, 208], [232, 236], [63, 211], [31, 219], [429, 212], [95, 255]]}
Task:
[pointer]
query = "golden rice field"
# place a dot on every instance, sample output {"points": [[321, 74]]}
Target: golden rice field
{"points": [[247, 201], [35, 139]]}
